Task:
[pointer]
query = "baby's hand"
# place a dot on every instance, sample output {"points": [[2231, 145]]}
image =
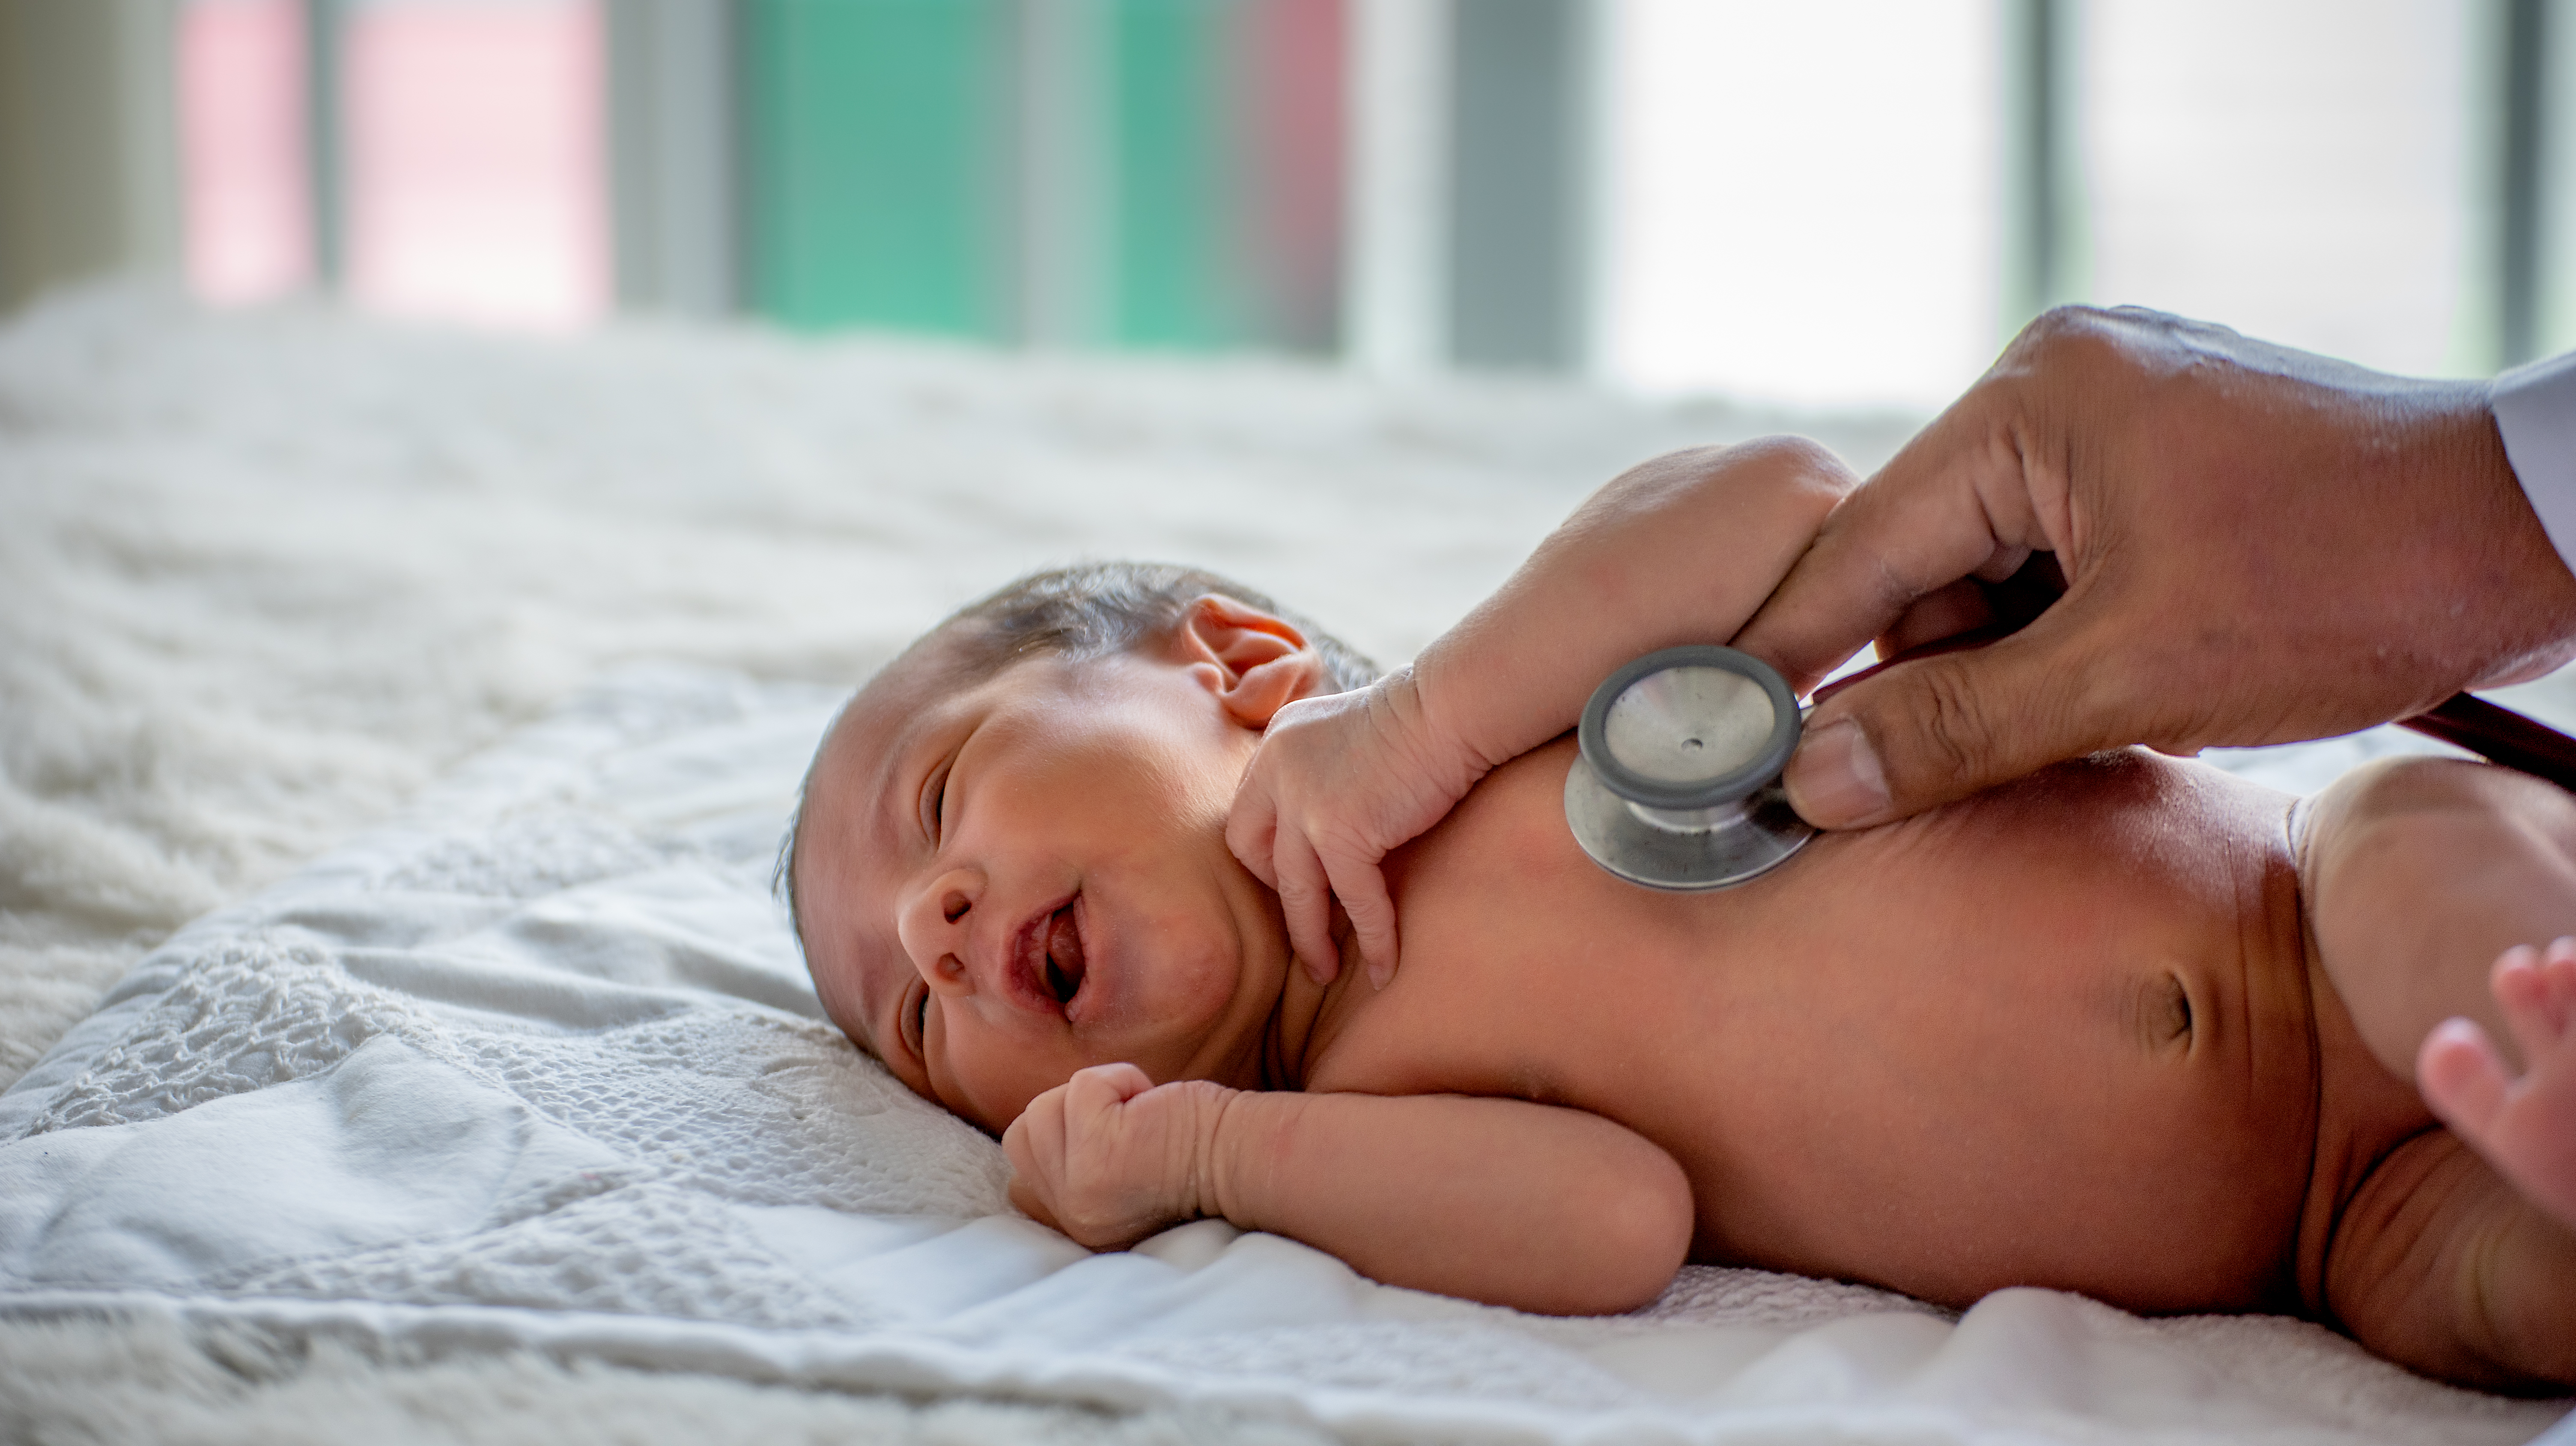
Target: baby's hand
{"points": [[1109, 1157], [1338, 783]]}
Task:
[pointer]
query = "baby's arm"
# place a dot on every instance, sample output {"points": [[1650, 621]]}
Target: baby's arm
{"points": [[1532, 1206], [1681, 549]]}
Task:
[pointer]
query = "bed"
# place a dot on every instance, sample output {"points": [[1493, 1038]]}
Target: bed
{"points": [[405, 1044]]}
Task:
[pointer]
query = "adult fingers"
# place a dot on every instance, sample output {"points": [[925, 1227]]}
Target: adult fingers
{"points": [[1953, 504], [1944, 612], [1940, 728]]}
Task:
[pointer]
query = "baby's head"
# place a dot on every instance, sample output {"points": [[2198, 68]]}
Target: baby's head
{"points": [[1010, 858]]}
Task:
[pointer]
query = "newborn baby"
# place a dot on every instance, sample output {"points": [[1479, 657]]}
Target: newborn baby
{"points": [[2132, 1027]]}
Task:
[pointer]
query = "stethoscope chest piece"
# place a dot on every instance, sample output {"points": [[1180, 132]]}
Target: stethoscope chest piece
{"points": [[1677, 784]]}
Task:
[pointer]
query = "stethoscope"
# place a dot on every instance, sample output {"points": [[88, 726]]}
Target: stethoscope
{"points": [[1676, 779]]}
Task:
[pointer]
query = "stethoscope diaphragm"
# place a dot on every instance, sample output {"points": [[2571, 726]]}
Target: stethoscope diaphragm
{"points": [[1676, 784]]}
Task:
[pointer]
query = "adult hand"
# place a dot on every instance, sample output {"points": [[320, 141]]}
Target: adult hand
{"points": [[2250, 545]]}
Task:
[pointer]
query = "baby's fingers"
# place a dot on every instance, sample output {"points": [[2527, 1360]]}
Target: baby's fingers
{"points": [[1362, 890], [1102, 1088], [1306, 899], [1030, 1202], [1035, 1146], [1252, 829]]}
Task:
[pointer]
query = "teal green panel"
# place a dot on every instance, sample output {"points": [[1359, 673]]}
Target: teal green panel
{"points": [[1177, 275], [872, 133]]}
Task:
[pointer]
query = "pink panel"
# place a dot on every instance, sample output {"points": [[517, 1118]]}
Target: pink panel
{"points": [[241, 136], [1292, 78], [477, 188]]}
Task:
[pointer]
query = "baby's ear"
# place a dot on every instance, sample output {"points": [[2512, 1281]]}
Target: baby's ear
{"points": [[1258, 662]]}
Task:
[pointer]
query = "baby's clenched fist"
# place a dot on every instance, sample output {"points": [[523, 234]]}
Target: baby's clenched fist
{"points": [[1109, 1157]]}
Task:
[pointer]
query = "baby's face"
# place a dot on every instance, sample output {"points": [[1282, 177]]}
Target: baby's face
{"points": [[1004, 884]]}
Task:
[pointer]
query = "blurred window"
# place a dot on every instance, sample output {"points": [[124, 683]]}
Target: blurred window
{"points": [[475, 177], [2298, 169], [241, 124], [1808, 203], [877, 180], [1802, 201]]}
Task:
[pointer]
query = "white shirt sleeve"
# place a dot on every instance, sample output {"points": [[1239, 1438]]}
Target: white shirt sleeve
{"points": [[2535, 409]]}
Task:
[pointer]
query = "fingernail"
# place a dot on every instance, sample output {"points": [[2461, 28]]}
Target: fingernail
{"points": [[1379, 974], [1319, 971], [1834, 779]]}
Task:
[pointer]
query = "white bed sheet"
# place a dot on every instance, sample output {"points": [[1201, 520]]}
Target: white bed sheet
{"points": [[536, 1067]]}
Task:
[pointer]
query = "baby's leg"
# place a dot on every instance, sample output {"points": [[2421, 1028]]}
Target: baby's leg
{"points": [[2438, 1264], [2417, 876], [2429, 883], [2525, 1127]]}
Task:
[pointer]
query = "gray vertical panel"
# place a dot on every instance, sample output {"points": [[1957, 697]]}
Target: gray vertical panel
{"points": [[635, 248], [2521, 225], [148, 160], [325, 163], [88, 142], [2043, 251], [1062, 166], [1516, 184], [671, 153], [1065, 162], [1396, 164]]}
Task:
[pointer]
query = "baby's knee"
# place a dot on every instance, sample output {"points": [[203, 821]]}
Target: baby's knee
{"points": [[2393, 790], [2394, 830]]}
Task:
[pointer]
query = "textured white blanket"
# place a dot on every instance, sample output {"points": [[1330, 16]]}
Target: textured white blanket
{"points": [[531, 1067]]}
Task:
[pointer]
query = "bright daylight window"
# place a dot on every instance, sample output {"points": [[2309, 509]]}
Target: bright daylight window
{"points": [[1807, 202]]}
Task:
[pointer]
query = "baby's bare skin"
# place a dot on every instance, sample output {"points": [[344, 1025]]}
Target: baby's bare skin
{"points": [[2072, 1033], [2080, 1032], [2064, 1034]]}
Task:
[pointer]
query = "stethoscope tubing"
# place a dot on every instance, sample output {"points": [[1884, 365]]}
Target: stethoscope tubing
{"points": [[2500, 736]]}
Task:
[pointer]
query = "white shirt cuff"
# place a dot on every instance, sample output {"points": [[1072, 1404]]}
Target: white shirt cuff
{"points": [[2535, 410]]}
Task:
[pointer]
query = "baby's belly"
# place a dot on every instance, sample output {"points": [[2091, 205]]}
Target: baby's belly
{"points": [[2058, 1036]]}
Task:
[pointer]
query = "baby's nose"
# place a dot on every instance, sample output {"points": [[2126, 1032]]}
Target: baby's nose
{"points": [[937, 925]]}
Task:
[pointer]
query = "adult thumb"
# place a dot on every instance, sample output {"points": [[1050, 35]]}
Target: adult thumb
{"points": [[1925, 731]]}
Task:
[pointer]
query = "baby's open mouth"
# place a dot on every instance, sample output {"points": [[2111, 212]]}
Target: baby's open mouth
{"points": [[1061, 939]]}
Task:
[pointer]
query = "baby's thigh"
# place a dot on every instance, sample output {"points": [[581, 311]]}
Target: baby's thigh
{"points": [[2439, 1265], [2416, 873]]}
